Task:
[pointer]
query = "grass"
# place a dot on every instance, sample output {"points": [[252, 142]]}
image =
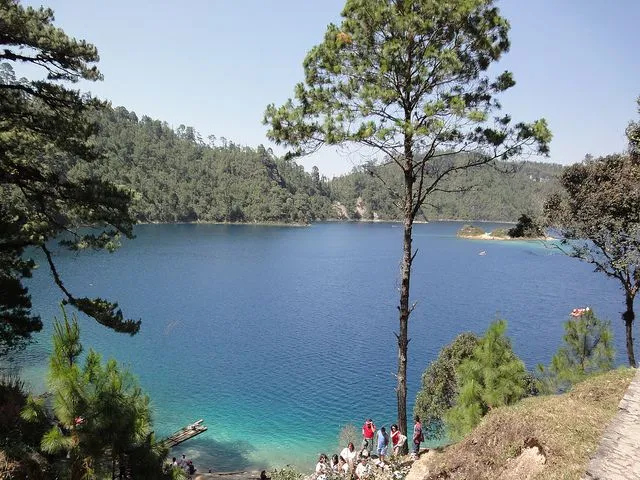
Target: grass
{"points": [[567, 428]]}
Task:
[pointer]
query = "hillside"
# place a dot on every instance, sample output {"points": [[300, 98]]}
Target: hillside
{"points": [[548, 437], [489, 194], [177, 176]]}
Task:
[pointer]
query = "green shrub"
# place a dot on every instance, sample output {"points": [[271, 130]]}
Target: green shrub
{"points": [[500, 233], [440, 384], [470, 231], [286, 473], [492, 377]]}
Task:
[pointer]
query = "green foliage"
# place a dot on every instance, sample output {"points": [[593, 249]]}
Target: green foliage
{"points": [[587, 349], [176, 177], [286, 473], [500, 233], [492, 377], [485, 194], [361, 90], [633, 135], [103, 419], [440, 384], [470, 231], [597, 213], [44, 128], [526, 228]]}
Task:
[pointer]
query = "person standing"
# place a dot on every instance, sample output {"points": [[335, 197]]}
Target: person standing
{"points": [[383, 443], [368, 432], [418, 436], [395, 439]]}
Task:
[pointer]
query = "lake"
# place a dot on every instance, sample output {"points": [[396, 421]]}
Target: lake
{"points": [[279, 336]]}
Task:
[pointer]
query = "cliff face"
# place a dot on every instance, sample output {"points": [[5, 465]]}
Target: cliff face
{"points": [[541, 437]]}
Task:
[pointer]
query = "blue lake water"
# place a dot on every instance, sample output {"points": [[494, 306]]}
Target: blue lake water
{"points": [[279, 336]]}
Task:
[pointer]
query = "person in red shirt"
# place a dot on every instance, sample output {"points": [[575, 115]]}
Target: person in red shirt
{"points": [[368, 432], [395, 439]]}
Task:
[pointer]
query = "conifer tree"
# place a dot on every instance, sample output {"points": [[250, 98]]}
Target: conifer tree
{"points": [[408, 80], [103, 419], [492, 377], [587, 349], [44, 131]]}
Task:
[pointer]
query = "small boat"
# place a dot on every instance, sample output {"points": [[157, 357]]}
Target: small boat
{"points": [[482, 253]]}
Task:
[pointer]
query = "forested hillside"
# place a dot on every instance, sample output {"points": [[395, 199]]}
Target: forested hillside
{"points": [[484, 193], [179, 177]]}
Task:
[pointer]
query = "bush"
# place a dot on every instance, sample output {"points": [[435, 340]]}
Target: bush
{"points": [[348, 433], [286, 473], [440, 385], [470, 231], [500, 233]]}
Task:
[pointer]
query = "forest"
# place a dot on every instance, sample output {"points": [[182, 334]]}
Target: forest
{"points": [[177, 176]]}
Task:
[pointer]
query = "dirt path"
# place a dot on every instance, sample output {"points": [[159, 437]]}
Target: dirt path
{"points": [[618, 455]]}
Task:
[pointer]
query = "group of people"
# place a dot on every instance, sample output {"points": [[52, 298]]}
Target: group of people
{"points": [[185, 464], [355, 463]]}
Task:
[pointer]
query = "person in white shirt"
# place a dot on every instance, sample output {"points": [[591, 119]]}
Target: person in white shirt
{"points": [[321, 467], [349, 454], [362, 470]]}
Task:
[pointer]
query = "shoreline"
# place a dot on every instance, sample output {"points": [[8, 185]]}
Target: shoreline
{"points": [[327, 220], [488, 236]]}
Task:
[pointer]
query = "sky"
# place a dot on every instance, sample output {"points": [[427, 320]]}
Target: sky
{"points": [[216, 64]]}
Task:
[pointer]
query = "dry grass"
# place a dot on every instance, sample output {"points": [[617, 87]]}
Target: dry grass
{"points": [[567, 428]]}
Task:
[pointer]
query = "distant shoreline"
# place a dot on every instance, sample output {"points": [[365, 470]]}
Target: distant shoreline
{"points": [[488, 236], [327, 220]]}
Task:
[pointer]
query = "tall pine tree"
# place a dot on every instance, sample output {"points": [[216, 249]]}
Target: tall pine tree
{"points": [[492, 377], [409, 80]]}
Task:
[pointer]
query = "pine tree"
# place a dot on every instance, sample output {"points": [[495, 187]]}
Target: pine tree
{"points": [[103, 419], [587, 349], [44, 132], [411, 81], [494, 376]]}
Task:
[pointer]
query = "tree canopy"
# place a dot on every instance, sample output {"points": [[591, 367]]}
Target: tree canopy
{"points": [[43, 133]]}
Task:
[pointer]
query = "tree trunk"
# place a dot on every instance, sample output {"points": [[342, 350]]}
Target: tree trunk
{"points": [[404, 308], [628, 316]]}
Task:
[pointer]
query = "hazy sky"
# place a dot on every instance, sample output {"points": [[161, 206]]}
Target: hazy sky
{"points": [[216, 64]]}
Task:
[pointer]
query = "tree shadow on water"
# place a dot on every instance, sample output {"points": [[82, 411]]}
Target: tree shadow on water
{"points": [[208, 453]]}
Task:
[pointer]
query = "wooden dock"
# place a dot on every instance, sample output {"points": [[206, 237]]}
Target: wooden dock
{"points": [[184, 434]]}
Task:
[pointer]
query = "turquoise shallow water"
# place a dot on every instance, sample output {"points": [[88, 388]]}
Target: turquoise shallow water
{"points": [[277, 337]]}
